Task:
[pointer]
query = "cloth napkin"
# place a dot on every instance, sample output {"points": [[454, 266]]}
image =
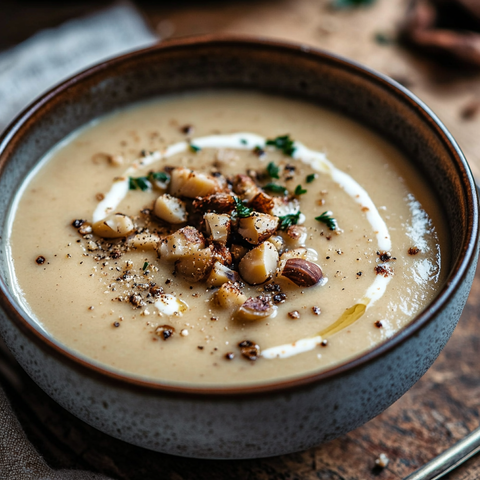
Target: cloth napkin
{"points": [[27, 71], [47, 58]]}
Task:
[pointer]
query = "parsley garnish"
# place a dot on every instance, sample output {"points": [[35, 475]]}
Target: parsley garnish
{"points": [[328, 220], [140, 183], [350, 3], [159, 176], [272, 170], [144, 183], [145, 265], [243, 141], [241, 209], [383, 39], [194, 148], [310, 178], [299, 190], [274, 188], [283, 143], [288, 220]]}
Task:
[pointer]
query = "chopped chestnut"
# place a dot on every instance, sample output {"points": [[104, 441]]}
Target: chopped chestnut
{"points": [[249, 349], [302, 272]]}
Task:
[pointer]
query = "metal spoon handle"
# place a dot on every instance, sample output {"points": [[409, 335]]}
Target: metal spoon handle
{"points": [[449, 459]]}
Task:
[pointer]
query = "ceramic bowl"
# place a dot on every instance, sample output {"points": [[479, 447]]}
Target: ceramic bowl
{"points": [[273, 418]]}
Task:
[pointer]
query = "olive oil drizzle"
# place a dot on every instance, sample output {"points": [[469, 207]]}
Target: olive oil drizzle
{"points": [[348, 317]]}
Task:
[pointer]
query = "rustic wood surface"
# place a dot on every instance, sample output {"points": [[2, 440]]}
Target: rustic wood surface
{"points": [[439, 410]]}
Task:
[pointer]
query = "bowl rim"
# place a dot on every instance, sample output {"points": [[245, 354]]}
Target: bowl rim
{"points": [[453, 282]]}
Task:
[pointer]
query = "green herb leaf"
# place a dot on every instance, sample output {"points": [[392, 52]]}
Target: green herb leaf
{"points": [[139, 183], [241, 209], [328, 220], [159, 176], [310, 178], [272, 170], [145, 265], [351, 3], [243, 141], [299, 190], [283, 143], [288, 220], [194, 148], [274, 188], [383, 39]]}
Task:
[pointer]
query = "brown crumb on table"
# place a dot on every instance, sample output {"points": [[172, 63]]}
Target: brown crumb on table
{"points": [[316, 310], [413, 250], [116, 324], [470, 110], [324, 342], [187, 129], [40, 260], [379, 324], [382, 461], [230, 356], [294, 314]]}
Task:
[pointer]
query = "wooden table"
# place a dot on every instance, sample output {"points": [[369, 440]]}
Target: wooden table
{"points": [[438, 411]]}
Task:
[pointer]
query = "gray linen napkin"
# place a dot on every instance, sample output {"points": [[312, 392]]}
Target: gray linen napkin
{"points": [[26, 71], [19, 460], [50, 56]]}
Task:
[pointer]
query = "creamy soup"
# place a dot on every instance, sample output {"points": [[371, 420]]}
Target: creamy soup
{"points": [[221, 238]]}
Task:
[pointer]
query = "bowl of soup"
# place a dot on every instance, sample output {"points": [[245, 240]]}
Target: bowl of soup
{"points": [[225, 247]]}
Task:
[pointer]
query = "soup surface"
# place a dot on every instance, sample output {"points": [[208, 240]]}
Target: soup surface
{"points": [[260, 238]]}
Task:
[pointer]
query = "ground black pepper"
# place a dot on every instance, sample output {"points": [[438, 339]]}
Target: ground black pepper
{"points": [[249, 349], [383, 270], [78, 223], [165, 331], [279, 298]]}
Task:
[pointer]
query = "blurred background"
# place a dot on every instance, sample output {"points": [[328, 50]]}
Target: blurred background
{"points": [[430, 46]]}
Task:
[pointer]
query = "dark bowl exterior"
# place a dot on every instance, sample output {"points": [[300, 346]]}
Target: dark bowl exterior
{"points": [[284, 416]]}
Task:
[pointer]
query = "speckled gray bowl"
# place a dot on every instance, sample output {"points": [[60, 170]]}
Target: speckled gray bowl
{"points": [[278, 417]]}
